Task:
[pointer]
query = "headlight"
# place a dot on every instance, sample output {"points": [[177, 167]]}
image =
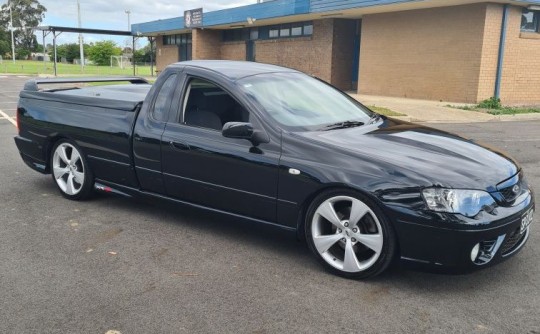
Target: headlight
{"points": [[466, 202]]}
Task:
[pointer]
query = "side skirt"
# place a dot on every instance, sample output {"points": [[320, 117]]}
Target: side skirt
{"points": [[110, 187]]}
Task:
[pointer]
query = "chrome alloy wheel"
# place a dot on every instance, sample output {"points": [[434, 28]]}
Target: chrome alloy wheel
{"points": [[68, 169], [347, 234]]}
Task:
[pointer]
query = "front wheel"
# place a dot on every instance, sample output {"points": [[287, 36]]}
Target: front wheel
{"points": [[349, 234], [70, 171]]}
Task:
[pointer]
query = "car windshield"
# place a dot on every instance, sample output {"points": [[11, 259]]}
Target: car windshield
{"points": [[299, 102]]}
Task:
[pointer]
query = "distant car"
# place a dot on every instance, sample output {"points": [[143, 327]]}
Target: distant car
{"points": [[276, 146]]}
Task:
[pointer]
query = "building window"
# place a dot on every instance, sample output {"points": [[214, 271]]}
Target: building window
{"points": [[296, 30], [180, 39], [273, 32], [278, 31], [232, 35], [308, 29], [285, 30], [183, 41], [235, 35], [529, 21]]}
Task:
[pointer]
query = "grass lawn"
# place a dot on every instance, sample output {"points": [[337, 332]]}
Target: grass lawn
{"points": [[503, 110], [494, 106], [512, 110], [30, 67], [385, 111]]}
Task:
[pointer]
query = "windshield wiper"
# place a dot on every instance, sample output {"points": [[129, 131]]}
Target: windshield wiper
{"points": [[343, 125]]}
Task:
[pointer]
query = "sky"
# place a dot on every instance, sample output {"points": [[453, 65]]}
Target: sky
{"points": [[110, 14]]}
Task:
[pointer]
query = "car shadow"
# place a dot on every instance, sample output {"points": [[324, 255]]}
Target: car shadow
{"points": [[485, 280], [271, 238]]}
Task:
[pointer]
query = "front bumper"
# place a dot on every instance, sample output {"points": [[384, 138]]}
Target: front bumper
{"points": [[445, 246]]}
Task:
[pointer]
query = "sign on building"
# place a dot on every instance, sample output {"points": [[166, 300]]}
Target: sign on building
{"points": [[193, 18]]}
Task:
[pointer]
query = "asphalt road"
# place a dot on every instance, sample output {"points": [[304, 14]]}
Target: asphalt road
{"points": [[136, 267], [10, 87]]}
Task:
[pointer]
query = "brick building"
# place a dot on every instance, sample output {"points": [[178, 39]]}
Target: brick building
{"points": [[451, 50]]}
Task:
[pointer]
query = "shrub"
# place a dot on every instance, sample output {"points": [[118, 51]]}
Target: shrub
{"points": [[491, 103]]}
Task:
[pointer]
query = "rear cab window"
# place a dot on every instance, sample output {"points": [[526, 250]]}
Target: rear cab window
{"points": [[164, 98]]}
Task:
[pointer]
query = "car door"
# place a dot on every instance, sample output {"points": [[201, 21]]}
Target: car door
{"points": [[201, 166], [149, 129]]}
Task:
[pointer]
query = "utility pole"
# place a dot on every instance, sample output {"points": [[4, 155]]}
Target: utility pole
{"points": [[81, 41], [128, 12], [11, 29]]}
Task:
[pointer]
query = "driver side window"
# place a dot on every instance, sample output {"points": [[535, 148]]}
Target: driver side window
{"points": [[206, 105]]}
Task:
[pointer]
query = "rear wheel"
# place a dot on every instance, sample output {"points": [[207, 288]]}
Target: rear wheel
{"points": [[349, 235], [70, 171]]}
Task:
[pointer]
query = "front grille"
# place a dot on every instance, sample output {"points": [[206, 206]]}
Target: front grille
{"points": [[513, 240], [509, 190], [510, 193]]}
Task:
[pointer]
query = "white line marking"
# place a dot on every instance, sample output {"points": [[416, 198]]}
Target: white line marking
{"points": [[3, 77], [520, 140], [22, 76], [484, 140], [6, 116]]}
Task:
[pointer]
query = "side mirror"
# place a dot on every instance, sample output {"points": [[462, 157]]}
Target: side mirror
{"points": [[237, 130], [242, 130]]}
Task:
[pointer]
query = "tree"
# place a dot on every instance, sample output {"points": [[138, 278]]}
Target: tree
{"points": [[70, 51], [143, 55], [100, 53], [5, 48], [21, 53], [38, 47], [5, 44], [27, 14]]}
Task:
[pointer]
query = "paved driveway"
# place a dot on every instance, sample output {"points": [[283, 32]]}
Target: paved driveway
{"points": [[436, 111], [140, 267]]}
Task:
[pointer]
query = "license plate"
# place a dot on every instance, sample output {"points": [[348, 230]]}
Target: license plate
{"points": [[526, 220]]}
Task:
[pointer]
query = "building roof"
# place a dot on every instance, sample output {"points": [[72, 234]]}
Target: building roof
{"points": [[277, 11], [235, 70]]}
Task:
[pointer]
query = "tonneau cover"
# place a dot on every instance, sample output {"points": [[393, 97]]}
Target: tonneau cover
{"points": [[121, 97]]}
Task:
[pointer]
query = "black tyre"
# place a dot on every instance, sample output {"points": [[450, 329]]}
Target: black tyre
{"points": [[349, 234], [70, 171]]}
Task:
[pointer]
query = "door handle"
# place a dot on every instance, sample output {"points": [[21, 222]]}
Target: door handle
{"points": [[179, 146]]}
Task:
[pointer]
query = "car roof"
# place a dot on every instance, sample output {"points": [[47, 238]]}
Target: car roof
{"points": [[235, 70]]}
